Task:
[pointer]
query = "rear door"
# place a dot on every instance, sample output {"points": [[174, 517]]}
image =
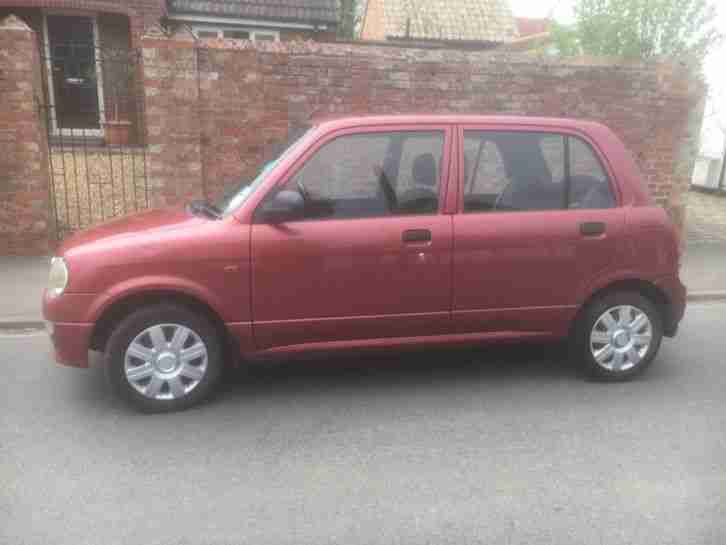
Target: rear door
{"points": [[372, 256], [537, 221]]}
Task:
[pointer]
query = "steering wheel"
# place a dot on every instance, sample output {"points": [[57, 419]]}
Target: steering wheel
{"points": [[388, 191]]}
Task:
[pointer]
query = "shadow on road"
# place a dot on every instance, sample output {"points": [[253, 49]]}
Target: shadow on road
{"points": [[489, 371], [412, 369]]}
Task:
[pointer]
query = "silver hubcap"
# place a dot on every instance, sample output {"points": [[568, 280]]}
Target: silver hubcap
{"points": [[165, 361], [620, 338]]}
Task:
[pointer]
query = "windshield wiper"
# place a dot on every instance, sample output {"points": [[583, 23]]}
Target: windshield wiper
{"points": [[209, 210]]}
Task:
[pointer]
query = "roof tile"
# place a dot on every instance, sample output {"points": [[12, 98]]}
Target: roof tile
{"points": [[456, 20]]}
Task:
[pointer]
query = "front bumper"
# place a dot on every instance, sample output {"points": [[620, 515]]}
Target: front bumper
{"points": [[69, 327], [71, 343]]}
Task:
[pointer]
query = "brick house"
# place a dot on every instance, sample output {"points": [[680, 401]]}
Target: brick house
{"points": [[84, 45], [534, 35], [465, 24], [87, 49]]}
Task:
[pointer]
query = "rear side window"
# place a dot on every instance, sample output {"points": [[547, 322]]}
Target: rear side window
{"points": [[529, 171], [589, 184]]}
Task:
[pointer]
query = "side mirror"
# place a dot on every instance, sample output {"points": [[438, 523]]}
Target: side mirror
{"points": [[285, 206]]}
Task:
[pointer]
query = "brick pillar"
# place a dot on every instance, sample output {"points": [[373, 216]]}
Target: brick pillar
{"points": [[171, 94], [25, 214], [690, 90]]}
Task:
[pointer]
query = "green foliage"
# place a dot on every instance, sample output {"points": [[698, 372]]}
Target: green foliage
{"points": [[640, 28], [349, 16]]}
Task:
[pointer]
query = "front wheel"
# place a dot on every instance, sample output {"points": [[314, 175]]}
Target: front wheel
{"points": [[619, 336], [164, 358]]}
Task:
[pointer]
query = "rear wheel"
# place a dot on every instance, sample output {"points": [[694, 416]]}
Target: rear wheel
{"points": [[619, 336], [164, 358]]}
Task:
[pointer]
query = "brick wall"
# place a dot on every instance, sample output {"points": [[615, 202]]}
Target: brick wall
{"points": [[171, 94], [24, 198], [250, 95]]}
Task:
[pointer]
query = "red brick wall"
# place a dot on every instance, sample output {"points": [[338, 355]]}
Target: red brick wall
{"points": [[251, 94], [172, 107], [25, 214]]}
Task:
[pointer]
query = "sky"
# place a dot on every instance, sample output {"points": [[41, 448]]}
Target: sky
{"points": [[712, 142]]}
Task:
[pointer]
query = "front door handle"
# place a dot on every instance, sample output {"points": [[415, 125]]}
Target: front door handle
{"points": [[416, 235], [592, 228]]}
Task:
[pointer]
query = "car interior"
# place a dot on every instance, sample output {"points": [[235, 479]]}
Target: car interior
{"points": [[390, 194], [530, 184]]}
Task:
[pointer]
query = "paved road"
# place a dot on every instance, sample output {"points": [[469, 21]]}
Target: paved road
{"points": [[499, 446]]}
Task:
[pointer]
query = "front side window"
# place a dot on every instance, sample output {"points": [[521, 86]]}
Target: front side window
{"points": [[523, 171], [371, 175]]}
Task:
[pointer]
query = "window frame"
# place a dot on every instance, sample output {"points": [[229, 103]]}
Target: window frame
{"points": [[564, 132], [220, 32], [446, 173]]}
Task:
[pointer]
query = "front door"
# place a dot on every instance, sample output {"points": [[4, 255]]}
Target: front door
{"points": [[371, 258], [74, 77], [539, 223]]}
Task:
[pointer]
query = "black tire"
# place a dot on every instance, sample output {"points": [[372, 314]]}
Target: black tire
{"points": [[131, 326], [580, 340]]}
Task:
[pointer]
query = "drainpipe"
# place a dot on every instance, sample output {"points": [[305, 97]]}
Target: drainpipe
{"points": [[720, 186]]}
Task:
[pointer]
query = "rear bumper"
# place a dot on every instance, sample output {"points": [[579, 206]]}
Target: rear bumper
{"points": [[676, 293], [71, 343]]}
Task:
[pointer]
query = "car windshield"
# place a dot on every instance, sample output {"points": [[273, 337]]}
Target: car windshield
{"points": [[234, 198]]}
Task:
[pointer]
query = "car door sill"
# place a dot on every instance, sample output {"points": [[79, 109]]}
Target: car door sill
{"points": [[403, 342]]}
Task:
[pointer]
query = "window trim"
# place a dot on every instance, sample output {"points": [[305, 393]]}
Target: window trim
{"points": [[446, 172], [219, 29], [567, 168], [565, 132]]}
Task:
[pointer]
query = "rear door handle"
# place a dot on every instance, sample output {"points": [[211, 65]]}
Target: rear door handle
{"points": [[416, 235], [592, 228]]}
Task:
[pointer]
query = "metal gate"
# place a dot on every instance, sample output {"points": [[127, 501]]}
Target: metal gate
{"points": [[95, 120]]}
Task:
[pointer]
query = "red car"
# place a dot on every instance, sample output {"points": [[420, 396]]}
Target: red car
{"points": [[380, 232]]}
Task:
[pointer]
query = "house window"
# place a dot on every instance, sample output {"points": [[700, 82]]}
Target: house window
{"points": [[236, 34], [209, 32], [74, 73]]}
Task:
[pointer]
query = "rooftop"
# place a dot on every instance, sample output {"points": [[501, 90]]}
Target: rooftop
{"points": [[447, 20]]}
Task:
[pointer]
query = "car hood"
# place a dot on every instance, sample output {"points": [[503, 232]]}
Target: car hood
{"points": [[140, 227]]}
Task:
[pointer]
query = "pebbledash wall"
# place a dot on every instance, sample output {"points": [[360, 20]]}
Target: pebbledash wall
{"points": [[215, 111]]}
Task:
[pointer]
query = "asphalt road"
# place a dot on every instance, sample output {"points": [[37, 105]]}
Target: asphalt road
{"points": [[490, 446]]}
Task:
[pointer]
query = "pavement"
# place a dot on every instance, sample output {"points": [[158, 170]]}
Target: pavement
{"points": [[23, 280], [706, 218], [496, 445]]}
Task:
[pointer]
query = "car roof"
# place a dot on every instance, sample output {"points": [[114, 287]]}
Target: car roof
{"points": [[351, 121]]}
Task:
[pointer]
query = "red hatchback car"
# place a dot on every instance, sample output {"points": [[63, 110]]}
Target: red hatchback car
{"points": [[380, 232]]}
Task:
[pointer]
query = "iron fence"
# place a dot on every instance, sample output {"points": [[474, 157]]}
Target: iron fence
{"points": [[95, 121]]}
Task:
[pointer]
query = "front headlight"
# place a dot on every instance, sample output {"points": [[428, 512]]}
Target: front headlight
{"points": [[58, 278]]}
